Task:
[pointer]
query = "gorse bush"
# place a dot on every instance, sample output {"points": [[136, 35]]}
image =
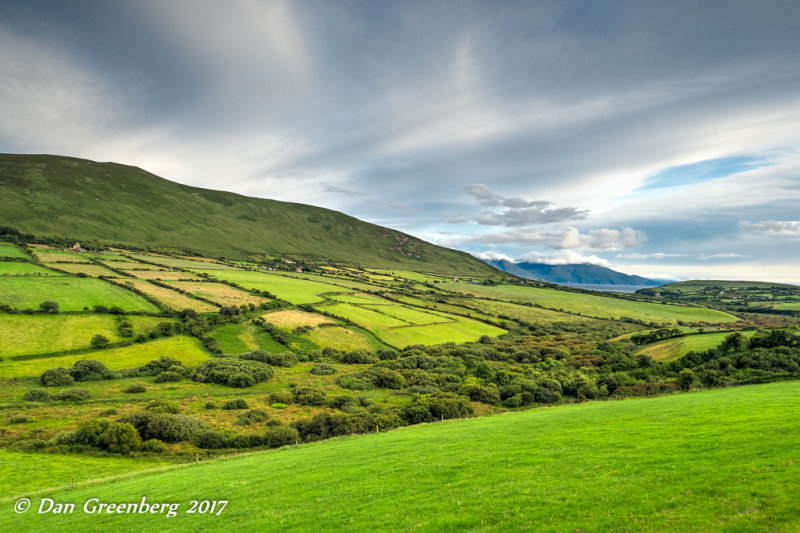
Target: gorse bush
{"points": [[253, 416], [309, 396], [229, 371], [322, 370], [89, 370], [168, 377], [281, 396], [164, 427], [71, 395], [36, 395], [236, 403], [135, 389], [163, 406], [56, 377], [278, 436], [285, 359]]}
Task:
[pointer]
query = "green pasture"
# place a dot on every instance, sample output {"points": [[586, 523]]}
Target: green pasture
{"points": [[359, 299], [533, 315], [723, 460], [342, 338], [218, 292], [15, 268], [72, 294], [234, 339], [368, 318], [171, 298], [343, 283], [410, 315], [35, 334], [9, 250], [176, 262], [186, 349], [459, 332], [593, 305], [90, 269], [670, 349], [49, 255], [296, 291]]}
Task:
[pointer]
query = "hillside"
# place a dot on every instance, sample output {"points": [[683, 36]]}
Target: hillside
{"points": [[694, 462], [109, 203], [577, 273]]}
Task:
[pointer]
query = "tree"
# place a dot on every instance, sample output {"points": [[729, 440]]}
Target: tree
{"points": [[49, 306], [99, 341]]}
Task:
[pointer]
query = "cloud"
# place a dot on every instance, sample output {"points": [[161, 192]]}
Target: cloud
{"points": [[728, 255], [493, 256], [563, 257], [327, 187], [565, 239], [656, 255], [773, 227], [520, 212]]}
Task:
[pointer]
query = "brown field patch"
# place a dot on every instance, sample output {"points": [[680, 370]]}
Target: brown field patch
{"points": [[291, 319], [170, 298], [219, 292]]}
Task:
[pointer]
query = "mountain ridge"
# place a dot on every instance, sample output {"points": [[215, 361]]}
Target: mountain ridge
{"points": [[116, 204], [582, 273]]}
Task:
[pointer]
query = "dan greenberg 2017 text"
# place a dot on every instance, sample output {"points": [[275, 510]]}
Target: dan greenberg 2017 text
{"points": [[95, 506]]}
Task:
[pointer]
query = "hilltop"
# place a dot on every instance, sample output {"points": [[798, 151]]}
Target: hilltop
{"points": [[114, 204], [572, 273]]}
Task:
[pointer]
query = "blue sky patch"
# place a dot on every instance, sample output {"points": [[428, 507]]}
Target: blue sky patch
{"points": [[702, 171]]}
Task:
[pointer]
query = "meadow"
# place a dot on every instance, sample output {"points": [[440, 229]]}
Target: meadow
{"points": [[593, 305], [218, 292], [16, 268], [296, 291], [40, 334], [72, 294], [90, 269], [9, 250], [670, 349], [690, 462], [534, 315], [170, 298]]}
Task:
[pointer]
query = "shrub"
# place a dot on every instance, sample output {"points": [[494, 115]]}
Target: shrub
{"points": [[99, 341], [309, 396], [352, 382], [338, 402], [37, 395], [108, 412], [322, 370], [155, 446], [122, 438], [56, 377], [241, 380], [253, 416], [135, 389], [49, 307], [88, 370], [156, 366], [71, 395], [285, 359], [209, 440], [236, 403], [222, 370], [17, 419], [479, 393], [246, 441], [168, 377], [163, 406], [278, 436], [210, 405], [358, 357], [281, 396], [385, 378], [165, 427]]}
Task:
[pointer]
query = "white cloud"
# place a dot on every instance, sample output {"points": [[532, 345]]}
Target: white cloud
{"points": [[563, 257], [655, 255], [773, 227], [566, 238]]}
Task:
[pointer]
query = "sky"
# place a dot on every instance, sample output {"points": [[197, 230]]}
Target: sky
{"points": [[656, 138]]}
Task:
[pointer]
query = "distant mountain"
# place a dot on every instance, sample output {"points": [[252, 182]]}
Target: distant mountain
{"points": [[114, 204], [576, 273]]}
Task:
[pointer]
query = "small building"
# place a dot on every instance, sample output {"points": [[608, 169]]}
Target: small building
{"points": [[77, 248]]}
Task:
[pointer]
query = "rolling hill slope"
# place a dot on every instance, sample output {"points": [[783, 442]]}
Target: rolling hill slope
{"points": [[575, 273], [111, 203]]}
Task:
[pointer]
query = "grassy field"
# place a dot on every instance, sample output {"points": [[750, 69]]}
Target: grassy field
{"points": [[370, 319], [292, 318], [461, 331], [342, 339], [409, 314], [72, 294], [21, 334], [165, 275], [534, 315], [723, 460], [186, 349], [592, 305], [670, 349], [15, 268], [296, 291], [172, 299], [9, 250], [89, 269], [219, 292], [178, 262], [234, 339], [47, 255]]}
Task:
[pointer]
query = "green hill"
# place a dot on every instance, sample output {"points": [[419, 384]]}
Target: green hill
{"points": [[723, 460], [109, 203]]}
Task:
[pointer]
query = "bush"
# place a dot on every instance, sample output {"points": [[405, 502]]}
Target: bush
{"points": [[278, 405], [281, 396], [135, 389], [155, 446], [285, 359], [157, 366], [322, 370], [168, 377], [71, 395], [49, 307], [209, 440], [236, 403], [88, 370], [163, 406], [222, 370], [253, 416], [99, 341], [56, 377], [309, 396], [121, 438], [358, 357], [479, 393], [37, 395], [278, 436], [246, 441], [165, 427], [352, 382], [210, 405], [240, 380], [17, 419]]}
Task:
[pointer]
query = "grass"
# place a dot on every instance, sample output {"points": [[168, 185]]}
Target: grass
{"points": [[723, 460], [89, 269], [293, 318], [186, 349], [165, 275], [343, 339], [410, 315], [670, 349], [36, 334], [72, 294], [534, 315], [296, 291], [594, 305], [219, 293], [175, 262], [370, 319], [9, 250], [59, 470], [172, 299], [48, 255], [15, 268], [464, 330]]}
